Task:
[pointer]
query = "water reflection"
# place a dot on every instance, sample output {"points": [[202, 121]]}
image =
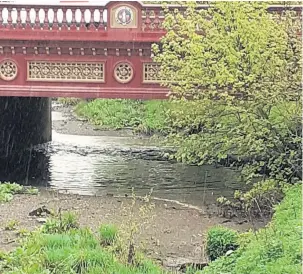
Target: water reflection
{"points": [[82, 164], [90, 165]]}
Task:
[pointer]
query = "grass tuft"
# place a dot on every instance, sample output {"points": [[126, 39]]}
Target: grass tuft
{"points": [[108, 233]]}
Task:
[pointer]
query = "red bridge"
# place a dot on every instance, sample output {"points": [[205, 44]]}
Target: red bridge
{"points": [[81, 51], [86, 51]]}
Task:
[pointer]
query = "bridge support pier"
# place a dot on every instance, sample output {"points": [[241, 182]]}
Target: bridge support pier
{"points": [[24, 121]]}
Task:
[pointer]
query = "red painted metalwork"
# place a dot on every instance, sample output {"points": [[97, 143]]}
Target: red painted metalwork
{"points": [[110, 89], [76, 38]]}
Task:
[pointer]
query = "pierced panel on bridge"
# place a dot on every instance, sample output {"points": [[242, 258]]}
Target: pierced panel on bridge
{"points": [[151, 73], [123, 72], [65, 71], [8, 70]]}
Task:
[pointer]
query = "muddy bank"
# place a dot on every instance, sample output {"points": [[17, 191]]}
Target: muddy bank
{"points": [[173, 231]]}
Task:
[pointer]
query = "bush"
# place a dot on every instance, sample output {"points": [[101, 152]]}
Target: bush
{"points": [[219, 241], [261, 199], [240, 114], [142, 116], [274, 249], [257, 202], [115, 114], [69, 101], [108, 233]]}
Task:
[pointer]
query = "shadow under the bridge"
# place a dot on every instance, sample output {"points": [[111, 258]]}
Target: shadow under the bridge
{"points": [[24, 123], [28, 167]]}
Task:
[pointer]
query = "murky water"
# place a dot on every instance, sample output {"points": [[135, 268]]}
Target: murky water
{"points": [[91, 165]]}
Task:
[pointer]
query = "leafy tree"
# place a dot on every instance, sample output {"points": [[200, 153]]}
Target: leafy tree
{"points": [[241, 70]]}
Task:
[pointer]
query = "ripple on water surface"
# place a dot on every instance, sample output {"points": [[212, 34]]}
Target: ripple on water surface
{"points": [[83, 164], [91, 165]]}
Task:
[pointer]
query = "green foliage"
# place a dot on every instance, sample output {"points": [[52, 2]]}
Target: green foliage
{"points": [[23, 232], [31, 191], [219, 241], [242, 70], [68, 251], [7, 191], [112, 113], [108, 234], [154, 117], [64, 223], [143, 116], [274, 249], [259, 201]]}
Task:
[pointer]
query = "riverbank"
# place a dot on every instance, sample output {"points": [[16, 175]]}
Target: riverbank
{"points": [[70, 123], [276, 249], [174, 233], [118, 118]]}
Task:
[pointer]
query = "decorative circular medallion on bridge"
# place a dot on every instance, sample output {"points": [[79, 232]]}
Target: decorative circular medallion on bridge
{"points": [[124, 15], [123, 72], [8, 70]]}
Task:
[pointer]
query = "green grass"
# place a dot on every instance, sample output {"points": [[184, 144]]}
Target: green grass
{"points": [[70, 250], [67, 221], [142, 116], [275, 249], [108, 234]]}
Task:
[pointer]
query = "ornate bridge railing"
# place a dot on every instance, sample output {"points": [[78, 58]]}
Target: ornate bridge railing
{"points": [[35, 22], [53, 17]]}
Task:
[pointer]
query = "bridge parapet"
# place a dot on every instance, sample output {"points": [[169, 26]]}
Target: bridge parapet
{"points": [[52, 17], [115, 21]]}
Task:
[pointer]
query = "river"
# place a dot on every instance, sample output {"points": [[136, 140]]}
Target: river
{"points": [[113, 165]]}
